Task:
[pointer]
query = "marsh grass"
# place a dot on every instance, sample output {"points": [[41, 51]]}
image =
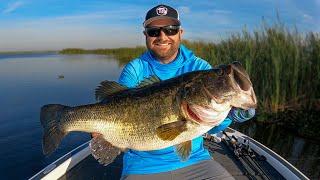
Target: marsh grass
{"points": [[284, 65]]}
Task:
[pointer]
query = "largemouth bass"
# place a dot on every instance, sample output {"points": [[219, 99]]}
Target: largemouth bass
{"points": [[155, 115]]}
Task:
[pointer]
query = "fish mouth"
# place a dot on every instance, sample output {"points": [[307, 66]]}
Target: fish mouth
{"points": [[242, 94], [240, 76], [203, 115], [241, 82]]}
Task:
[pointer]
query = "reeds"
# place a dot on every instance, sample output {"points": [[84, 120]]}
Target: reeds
{"points": [[284, 65]]}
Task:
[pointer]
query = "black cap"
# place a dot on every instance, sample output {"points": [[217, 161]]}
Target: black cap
{"points": [[161, 12]]}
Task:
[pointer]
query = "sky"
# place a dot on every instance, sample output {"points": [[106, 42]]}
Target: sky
{"points": [[27, 25]]}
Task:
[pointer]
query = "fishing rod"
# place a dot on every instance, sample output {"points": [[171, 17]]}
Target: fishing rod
{"points": [[247, 157], [246, 170]]}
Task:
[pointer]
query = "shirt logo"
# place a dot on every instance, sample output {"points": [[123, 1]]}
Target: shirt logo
{"points": [[162, 11]]}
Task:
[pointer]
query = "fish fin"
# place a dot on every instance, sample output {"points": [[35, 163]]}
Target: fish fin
{"points": [[53, 135], [170, 131], [103, 151], [183, 150], [148, 81], [107, 88]]}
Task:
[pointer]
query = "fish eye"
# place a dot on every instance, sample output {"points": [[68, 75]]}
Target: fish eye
{"points": [[220, 72], [221, 69]]}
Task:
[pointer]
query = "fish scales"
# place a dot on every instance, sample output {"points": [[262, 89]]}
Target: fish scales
{"points": [[118, 121]]}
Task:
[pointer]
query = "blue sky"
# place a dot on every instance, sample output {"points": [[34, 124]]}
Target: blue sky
{"points": [[57, 24]]}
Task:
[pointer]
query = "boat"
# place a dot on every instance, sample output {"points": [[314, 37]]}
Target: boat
{"points": [[242, 156]]}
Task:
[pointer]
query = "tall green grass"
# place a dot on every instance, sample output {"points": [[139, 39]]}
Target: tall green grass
{"points": [[284, 65]]}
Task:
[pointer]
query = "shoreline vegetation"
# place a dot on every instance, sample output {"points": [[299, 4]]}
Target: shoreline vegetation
{"points": [[284, 65], [123, 55], [26, 52]]}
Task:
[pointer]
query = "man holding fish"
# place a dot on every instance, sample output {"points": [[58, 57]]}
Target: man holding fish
{"points": [[164, 102], [167, 58]]}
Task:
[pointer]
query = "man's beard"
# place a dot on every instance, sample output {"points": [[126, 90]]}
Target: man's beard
{"points": [[165, 55]]}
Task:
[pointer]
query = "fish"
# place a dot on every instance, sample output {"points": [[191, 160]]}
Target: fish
{"points": [[156, 114]]}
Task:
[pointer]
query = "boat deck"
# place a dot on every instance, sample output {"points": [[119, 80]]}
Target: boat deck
{"points": [[225, 156], [89, 168]]}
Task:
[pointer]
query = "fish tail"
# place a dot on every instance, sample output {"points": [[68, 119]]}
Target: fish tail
{"points": [[50, 117]]}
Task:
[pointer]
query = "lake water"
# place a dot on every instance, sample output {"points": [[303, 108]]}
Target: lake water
{"points": [[28, 82], [31, 81]]}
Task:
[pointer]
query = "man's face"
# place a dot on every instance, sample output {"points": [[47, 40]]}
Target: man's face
{"points": [[163, 47]]}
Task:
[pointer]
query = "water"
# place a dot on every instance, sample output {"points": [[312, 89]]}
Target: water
{"points": [[27, 82]]}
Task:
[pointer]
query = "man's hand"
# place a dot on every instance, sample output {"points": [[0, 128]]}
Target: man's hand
{"points": [[241, 115], [94, 134]]}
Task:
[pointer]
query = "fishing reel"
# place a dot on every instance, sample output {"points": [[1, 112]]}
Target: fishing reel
{"points": [[242, 149]]}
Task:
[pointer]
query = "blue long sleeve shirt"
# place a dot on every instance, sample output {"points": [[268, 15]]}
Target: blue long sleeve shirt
{"points": [[163, 160]]}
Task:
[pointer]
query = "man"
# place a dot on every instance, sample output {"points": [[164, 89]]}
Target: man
{"points": [[167, 58]]}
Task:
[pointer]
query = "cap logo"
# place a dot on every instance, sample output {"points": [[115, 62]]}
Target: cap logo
{"points": [[162, 11]]}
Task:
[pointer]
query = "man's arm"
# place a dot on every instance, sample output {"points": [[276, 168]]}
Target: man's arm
{"points": [[128, 76]]}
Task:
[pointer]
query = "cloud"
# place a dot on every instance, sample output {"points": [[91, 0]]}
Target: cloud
{"points": [[220, 11], [184, 9], [98, 29], [12, 7], [83, 30], [103, 17], [67, 36], [307, 17]]}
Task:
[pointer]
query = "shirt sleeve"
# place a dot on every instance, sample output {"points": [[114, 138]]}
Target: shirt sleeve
{"points": [[202, 64], [222, 126], [128, 76]]}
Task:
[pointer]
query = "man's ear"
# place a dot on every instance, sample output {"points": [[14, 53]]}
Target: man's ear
{"points": [[181, 31]]}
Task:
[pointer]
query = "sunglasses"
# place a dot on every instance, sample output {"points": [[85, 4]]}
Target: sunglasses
{"points": [[168, 30]]}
